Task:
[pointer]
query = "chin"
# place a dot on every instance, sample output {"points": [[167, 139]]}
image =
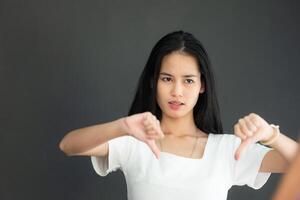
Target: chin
{"points": [[176, 114]]}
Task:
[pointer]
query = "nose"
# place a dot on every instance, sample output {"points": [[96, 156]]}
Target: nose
{"points": [[177, 90]]}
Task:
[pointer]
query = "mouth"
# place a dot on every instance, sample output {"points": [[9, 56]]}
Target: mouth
{"points": [[175, 103]]}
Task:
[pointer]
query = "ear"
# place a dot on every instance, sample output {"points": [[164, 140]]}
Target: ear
{"points": [[202, 89]]}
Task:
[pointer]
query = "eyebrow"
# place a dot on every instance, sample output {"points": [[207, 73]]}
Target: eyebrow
{"points": [[188, 75]]}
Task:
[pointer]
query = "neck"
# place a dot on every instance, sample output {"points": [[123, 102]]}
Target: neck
{"points": [[183, 126]]}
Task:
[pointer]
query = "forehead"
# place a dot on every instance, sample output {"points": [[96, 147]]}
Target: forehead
{"points": [[177, 63]]}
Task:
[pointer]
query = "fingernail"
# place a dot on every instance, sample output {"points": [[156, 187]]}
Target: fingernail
{"points": [[236, 157]]}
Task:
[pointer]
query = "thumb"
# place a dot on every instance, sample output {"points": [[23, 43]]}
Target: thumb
{"points": [[154, 148], [243, 146]]}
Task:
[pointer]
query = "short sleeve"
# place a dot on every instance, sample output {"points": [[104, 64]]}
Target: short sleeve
{"points": [[119, 152], [246, 169]]}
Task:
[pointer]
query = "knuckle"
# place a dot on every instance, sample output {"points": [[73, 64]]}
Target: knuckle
{"points": [[240, 120], [149, 114], [255, 121]]}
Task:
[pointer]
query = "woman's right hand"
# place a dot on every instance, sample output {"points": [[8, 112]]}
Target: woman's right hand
{"points": [[144, 127]]}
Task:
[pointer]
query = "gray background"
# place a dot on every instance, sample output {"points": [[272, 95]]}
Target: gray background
{"points": [[70, 64]]}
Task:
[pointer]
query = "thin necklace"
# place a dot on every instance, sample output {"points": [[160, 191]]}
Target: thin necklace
{"points": [[192, 150]]}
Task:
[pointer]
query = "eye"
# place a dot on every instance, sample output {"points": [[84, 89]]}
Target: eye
{"points": [[165, 78], [190, 81]]}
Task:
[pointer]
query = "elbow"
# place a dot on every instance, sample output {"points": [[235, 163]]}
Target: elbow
{"points": [[63, 148], [68, 145]]}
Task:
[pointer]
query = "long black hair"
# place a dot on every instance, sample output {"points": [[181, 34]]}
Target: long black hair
{"points": [[206, 111]]}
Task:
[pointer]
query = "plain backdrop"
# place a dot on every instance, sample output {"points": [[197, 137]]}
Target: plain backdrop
{"points": [[66, 64]]}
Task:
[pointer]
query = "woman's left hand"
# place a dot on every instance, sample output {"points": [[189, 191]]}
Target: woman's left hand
{"points": [[251, 129]]}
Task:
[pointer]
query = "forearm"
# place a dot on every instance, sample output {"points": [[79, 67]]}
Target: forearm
{"points": [[286, 146], [289, 185], [83, 139]]}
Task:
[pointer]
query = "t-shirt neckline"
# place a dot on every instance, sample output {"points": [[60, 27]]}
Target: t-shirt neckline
{"points": [[205, 152]]}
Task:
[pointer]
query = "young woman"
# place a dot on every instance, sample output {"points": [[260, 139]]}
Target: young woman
{"points": [[171, 145]]}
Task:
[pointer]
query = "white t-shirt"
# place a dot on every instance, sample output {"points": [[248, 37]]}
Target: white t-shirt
{"points": [[176, 177]]}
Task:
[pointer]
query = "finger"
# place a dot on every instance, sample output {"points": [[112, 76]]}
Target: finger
{"points": [[158, 122], [146, 121], [153, 136], [160, 132], [253, 115], [154, 131], [243, 146], [238, 132], [149, 127], [250, 125], [256, 137], [154, 117], [146, 115], [157, 128], [244, 128], [149, 117], [150, 120], [154, 148], [150, 124], [255, 119]]}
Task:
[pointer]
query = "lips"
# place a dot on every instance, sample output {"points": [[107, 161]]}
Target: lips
{"points": [[176, 102], [175, 105]]}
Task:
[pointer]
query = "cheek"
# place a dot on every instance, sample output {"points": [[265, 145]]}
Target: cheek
{"points": [[192, 96], [159, 92]]}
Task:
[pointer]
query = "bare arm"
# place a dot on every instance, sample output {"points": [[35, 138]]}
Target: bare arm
{"points": [[252, 129], [283, 153], [92, 140], [288, 187]]}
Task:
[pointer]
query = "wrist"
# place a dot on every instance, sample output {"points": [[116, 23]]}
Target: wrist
{"points": [[273, 137], [123, 126]]}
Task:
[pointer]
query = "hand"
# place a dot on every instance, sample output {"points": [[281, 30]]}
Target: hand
{"points": [[251, 129], [144, 127]]}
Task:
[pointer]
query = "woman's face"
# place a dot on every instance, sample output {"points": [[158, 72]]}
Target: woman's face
{"points": [[179, 80]]}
